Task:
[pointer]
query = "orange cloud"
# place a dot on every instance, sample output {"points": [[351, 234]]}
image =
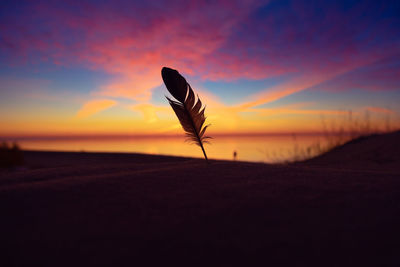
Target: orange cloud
{"points": [[380, 110], [94, 106], [150, 111]]}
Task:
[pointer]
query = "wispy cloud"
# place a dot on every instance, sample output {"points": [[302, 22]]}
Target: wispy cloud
{"points": [[150, 111], [380, 110], [340, 47], [132, 42], [94, 106], [219, 41]]}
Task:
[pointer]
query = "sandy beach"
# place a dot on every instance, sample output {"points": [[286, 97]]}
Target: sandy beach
{"points": [[106, 209]]}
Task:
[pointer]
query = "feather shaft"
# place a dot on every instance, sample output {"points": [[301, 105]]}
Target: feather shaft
{"points": [[187, 108]]}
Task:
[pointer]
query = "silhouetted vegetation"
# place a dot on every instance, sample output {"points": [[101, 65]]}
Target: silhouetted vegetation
{"points": [[10, 155], [335, 133], [341, 131]]}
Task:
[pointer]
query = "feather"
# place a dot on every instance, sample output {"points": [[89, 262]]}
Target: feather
{"points": [[187, 108]]}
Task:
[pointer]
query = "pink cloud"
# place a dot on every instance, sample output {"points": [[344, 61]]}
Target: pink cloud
{"points": [[134, 46], [136, 51], [219, 41]]}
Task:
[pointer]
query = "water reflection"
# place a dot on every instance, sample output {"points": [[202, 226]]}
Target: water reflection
{"points": [[247, 148]]}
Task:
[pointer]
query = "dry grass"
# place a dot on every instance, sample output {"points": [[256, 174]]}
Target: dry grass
{"points": [[335, 133]]}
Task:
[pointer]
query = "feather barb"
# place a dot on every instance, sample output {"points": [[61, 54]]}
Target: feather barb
{"points": [[187, 107]]}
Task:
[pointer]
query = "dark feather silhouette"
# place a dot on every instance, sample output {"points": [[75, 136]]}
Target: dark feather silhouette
{"points": [[187, 108]]}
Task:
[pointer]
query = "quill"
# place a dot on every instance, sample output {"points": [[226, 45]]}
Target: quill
{"points": [[187, 108]]}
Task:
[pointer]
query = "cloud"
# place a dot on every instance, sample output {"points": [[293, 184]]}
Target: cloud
{"points": [[224, 40], [380, 75], [130, 40], [150, 111], [296, 108], [345, 75], [94, 106], [380, 110]]}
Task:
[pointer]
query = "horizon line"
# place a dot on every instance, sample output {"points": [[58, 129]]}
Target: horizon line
{"points": [[144, 136]]}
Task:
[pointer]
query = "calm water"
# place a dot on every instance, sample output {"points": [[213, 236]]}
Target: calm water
{"points": [[248, 148]]}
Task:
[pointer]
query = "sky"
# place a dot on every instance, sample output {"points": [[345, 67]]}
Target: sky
{"points": [[94, 67]]}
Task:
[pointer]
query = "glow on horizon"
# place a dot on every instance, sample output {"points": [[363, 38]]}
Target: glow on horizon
{"points": [[259, 66]]}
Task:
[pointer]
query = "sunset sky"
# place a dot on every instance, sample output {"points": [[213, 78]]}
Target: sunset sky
{"points": [[93, 67]]}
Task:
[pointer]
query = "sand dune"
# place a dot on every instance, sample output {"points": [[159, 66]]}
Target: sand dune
{"points": [[92, 209], [380, 152]]}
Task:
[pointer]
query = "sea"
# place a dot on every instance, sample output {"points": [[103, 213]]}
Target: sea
{"points": [[253, 148]]}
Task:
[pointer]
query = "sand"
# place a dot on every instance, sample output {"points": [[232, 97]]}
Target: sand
{"points": [[103, 209]]}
